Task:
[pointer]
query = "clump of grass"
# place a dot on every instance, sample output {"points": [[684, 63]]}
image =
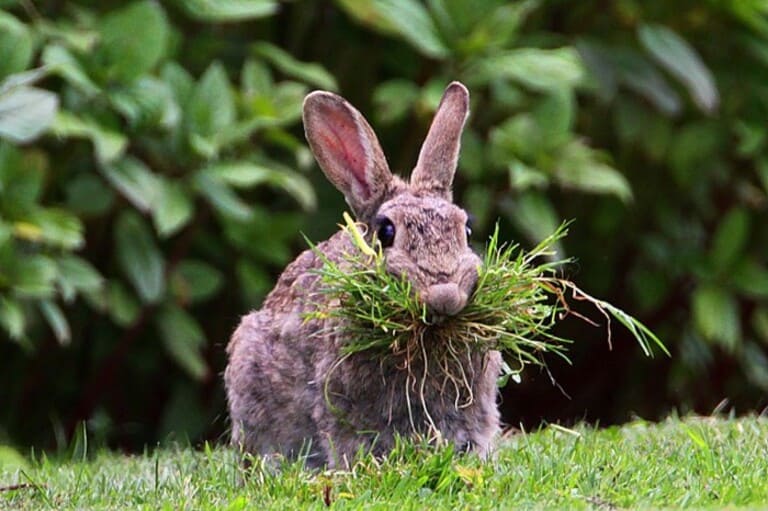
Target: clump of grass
{"points": [[699, 463], [519, 297]]}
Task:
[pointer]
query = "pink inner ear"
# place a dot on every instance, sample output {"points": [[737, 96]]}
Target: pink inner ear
{"points": [[342, 143]]}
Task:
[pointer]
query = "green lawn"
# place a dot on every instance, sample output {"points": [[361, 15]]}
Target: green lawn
{"points": [[696, 463]]}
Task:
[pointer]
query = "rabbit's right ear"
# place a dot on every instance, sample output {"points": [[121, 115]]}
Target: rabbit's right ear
{"points": [[439, 154], [347, 150]]}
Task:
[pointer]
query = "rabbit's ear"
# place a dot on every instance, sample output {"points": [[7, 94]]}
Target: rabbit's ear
{"points": [[439, 154], [347, 150]]}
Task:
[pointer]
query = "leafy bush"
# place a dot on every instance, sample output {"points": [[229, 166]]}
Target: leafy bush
{"points": [[152, 184], [130, 186], [660, 107]]}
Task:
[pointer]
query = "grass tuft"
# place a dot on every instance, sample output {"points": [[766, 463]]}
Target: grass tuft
{"points": [[519, 298]]}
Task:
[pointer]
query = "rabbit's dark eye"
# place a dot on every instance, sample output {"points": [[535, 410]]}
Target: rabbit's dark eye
{"points": [[468, 228], [385, 232]]}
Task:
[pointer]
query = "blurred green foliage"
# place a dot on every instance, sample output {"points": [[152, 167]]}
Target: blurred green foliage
{"points": [[154, 180]]}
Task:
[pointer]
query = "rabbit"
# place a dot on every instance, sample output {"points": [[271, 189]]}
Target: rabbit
{"points": [[289, 390]]}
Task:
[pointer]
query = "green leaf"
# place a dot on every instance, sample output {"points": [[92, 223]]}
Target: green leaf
{"points": [[533, 214], [216, 11], [595, 177], [212, 105], [244, 174], [407, 18], [693, 148], [368, 13], [194, 281], [760, 323], [35, 276], [180, 81], [206, 148], [751, 138], [26, 112], [311, 73], [76, 274], [60, 61], [16, 45], [638, 126], [716, 315], [133, 179], [173, 210], [762, 173], [57, 227], [133, 40], [6, 231], [296, 185], [221, 197], [109, 145], [516, 138], [56, 320], [500, 27], [183, 338], [474, 158], [393, 100], [287, 98], [240, 174], [729, 239], [579, 167], [139, 257], [88, 195], [554, 117], [147, 102], [459, 17], [598, 61], [681, 60], [12, 317], [76, 36], [537, 69], [750, 278], [21, 177], [16, 80], [414, 24], [255, 78], [752, 14], [639, 75], [122, 306], [522, 177], [274, 232]]}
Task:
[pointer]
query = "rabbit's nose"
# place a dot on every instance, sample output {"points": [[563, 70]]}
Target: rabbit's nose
{"points": [[445, 299]]}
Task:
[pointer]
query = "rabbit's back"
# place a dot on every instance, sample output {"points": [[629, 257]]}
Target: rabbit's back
{"points": [[270, 378]]}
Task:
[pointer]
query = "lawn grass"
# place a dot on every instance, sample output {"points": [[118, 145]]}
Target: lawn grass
{"points": [[691, 463]]}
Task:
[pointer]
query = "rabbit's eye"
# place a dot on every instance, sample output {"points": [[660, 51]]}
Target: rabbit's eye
{"points": [[386, 232], [468, 229]]}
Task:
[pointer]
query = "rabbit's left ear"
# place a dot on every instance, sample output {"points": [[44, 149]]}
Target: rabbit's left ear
{"points": [[347, 150], [439, 154]]}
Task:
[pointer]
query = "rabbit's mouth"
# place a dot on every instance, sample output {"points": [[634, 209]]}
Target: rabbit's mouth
{"points": [[444, 301]]}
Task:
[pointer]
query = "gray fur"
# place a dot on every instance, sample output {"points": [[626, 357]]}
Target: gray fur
{"points": [[289, 390]]}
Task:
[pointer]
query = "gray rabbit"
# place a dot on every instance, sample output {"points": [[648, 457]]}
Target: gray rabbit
{"points": [[289, 390]]}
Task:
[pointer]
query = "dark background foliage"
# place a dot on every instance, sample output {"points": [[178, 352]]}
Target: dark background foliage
{"points": [[154, 180]]}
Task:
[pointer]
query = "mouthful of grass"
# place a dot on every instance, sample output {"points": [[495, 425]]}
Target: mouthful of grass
{"points": [[520, 296]]}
